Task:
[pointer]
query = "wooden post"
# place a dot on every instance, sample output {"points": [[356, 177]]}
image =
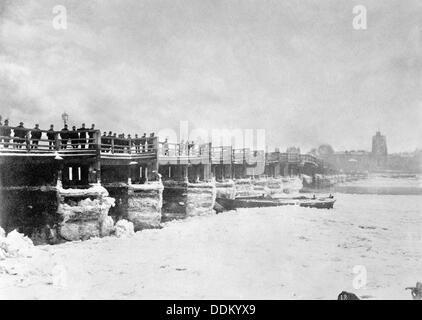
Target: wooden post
{"points": [[97, 141]]}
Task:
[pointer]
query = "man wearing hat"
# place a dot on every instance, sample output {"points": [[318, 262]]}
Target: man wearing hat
{"points": [[64, 135], [91, 137], [6, 131], [74, 137], [35, 136], [143, 140], [20, 134], [51, 137], [82, 136]]}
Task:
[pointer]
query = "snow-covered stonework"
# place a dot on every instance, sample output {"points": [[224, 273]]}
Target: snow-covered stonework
{"points": [[144, 204], [84, 213], [184, 199], [226, 189], [14, 245], [268, 186]]}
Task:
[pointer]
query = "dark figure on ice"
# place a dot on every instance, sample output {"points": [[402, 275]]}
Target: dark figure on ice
{"points": [[416, 291], [35, 136], [74, 137], [82, 136], [91, 137], [51, 137], [64, 136], [344, 295], [6, 132]]}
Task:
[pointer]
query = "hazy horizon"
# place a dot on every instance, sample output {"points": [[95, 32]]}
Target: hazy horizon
{"points": [[297, 69]]}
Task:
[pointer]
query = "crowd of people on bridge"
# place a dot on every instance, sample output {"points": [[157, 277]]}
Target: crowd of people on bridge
{"points": [[112, 142], [76, 138]]}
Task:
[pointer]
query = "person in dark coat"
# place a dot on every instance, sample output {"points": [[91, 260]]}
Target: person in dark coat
{"points": [[91, 137], [137, 143], [20, 133], [6, 133], [129, 143], [74, 137], [166, 147], [115, 142], [64, 136], [191, 146], [36, 134], [142, 141], [109, 140], [150, 142], [104, 142], [51, 137], [82, 136], [122, 143]]}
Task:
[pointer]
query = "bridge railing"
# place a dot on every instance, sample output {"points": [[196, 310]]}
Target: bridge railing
{"points": [[117, 145], [222, 154], [309, 158], [21, 140], [167, 149]]}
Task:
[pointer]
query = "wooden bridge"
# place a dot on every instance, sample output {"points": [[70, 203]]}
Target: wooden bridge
{"points": [[103, 156]]}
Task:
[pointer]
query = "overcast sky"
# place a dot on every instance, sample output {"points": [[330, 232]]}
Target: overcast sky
{"points": [[295, 68]]}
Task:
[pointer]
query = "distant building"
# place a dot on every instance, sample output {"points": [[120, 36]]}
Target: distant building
{"points": [[376, 160], [379, 145], [379, 149]]}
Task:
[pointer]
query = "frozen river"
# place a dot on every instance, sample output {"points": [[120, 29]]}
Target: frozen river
{"points": [[368, 244]]}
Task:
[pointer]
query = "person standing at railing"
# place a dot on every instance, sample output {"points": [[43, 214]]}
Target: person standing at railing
{"points": [[166, 147], [191, 146], [104, 142], [142, 141], [91, 137], [74, 137], [150, 142], [122, 143], [110, 138], [82, 136], [115, 141], [6, 133], [20, 133], [51, 137], [137, 143], [119, 143], [128, 143], [182, 147], [35, 136], [64, 136]]}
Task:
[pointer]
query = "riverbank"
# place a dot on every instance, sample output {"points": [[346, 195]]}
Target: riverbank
{"points": [[271, 253]]}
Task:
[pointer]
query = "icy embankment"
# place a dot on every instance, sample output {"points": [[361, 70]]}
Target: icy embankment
{"points": [[84, 213], [14, 245], [144, 204]]}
